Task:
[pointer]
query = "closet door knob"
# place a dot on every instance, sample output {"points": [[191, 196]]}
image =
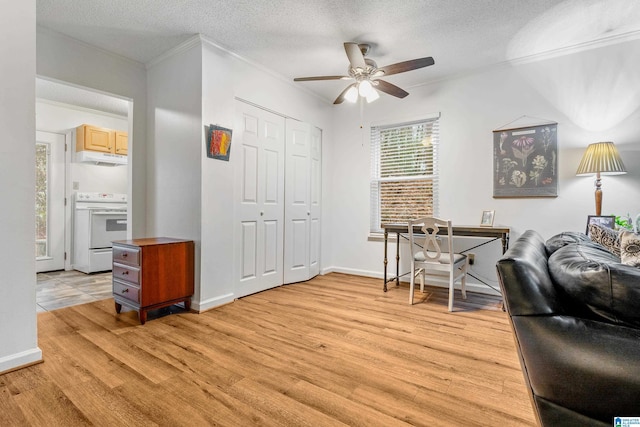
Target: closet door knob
{"points": [[261, 213]]}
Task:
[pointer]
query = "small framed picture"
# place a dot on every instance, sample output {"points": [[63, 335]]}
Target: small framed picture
{"points": [[608, 221], [487, 218]]}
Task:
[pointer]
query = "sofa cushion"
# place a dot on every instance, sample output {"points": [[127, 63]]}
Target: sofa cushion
{"points": [[563, 239], [598, 285], [606, 237], [630, 248]]}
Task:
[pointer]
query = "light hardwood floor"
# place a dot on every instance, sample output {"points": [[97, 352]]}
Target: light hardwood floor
{"points": [[332, 351]]}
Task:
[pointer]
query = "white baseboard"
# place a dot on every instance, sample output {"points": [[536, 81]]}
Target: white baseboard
{"points": [[472, 286], [19, 360], [205, 305]]}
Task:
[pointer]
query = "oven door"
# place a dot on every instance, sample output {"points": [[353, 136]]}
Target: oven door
{"points": [[107, 226]]}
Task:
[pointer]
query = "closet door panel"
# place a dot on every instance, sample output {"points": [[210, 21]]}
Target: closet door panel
{"points": [[249, 249], [259, 206], [315, 208], [297, 202]]}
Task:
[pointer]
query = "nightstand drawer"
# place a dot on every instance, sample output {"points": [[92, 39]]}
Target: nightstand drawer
{"points": [[127, 273], [124, 255], [124, 290]]}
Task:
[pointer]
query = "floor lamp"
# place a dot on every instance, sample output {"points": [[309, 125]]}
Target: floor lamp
{"points": [[601, 158]]}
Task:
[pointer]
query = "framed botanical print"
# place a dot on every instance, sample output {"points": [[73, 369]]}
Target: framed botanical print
{"points": [[525, 161]]}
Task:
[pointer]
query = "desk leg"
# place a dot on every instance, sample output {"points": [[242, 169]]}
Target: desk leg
{"points": [[398, 259], [505, 243], [386, 237]]}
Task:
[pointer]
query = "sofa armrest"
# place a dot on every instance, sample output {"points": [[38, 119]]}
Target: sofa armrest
{"points": [[524, 278], [590, 367]]}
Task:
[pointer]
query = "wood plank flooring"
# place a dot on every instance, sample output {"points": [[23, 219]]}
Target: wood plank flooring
{"points": [[332, 351]]}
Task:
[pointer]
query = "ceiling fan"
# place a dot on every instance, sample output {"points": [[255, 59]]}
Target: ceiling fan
{"points": [[367, 75]]}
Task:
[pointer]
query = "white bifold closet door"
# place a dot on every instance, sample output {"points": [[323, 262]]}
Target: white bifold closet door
{"points": [[277, 163], [302, 201], [259, 144]]}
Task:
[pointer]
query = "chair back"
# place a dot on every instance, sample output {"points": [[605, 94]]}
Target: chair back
{"points": [[433, 229]]}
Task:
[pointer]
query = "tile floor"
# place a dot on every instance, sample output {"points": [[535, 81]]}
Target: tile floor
{"points": [[58, 289]]}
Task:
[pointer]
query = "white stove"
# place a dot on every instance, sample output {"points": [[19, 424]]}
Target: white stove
{"points": [[99, 219]]}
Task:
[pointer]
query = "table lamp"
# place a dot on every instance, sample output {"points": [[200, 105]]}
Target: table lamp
{"points": [[600, 158]]}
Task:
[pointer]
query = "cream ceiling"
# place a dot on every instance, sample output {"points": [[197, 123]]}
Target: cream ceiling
{"points": [[304, 37]]}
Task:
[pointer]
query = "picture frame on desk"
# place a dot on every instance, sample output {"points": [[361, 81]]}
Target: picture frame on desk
{"points": [[608, 221], [487, 218]]}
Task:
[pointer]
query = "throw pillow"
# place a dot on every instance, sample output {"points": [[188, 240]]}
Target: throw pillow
{"points": [[606, 237], [630, 248]]}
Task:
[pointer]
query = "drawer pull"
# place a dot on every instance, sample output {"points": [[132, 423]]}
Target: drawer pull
{"points": [[124, 255], [124, 273], [125, 290]]}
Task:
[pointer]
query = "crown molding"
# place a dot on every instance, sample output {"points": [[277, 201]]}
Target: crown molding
{"points": [[200, 39], [576, 48], [190, 43], [541, 56]]}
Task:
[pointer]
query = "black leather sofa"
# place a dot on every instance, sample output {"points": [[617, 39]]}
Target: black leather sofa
{"points": [[575, 313]]}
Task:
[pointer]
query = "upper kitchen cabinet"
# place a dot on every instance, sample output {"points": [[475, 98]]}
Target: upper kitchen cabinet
{"points": [[122, 143], [103, 140]]}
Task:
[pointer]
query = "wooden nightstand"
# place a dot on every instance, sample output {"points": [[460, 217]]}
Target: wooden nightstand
{"points": [[151, 273]]}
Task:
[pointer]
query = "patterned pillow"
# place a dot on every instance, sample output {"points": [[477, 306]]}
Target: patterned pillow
{"points": [[630, 248], [606, 237]]}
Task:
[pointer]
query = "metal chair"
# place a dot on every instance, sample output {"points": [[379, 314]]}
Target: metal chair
{"points": [[429, 261]]}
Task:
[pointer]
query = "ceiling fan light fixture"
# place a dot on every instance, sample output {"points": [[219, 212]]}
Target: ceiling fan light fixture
{"points": [[351, 95], [365, 73], [365, 88], [373, 95]]}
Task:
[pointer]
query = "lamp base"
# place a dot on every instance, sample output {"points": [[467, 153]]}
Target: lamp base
{"points": [[598, 195]]}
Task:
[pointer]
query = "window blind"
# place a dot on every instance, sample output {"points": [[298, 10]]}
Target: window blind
{"points": [[404, 172]]}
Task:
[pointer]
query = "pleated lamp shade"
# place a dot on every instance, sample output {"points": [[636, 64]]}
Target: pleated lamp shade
{"points": [[603, 158]]}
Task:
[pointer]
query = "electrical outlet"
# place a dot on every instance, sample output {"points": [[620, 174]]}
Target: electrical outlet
{"points": [[472, 258]]}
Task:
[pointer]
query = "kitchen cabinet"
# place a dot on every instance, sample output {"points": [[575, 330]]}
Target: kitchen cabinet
{"points": [[152, 273], [103, 140], [122, 143]]}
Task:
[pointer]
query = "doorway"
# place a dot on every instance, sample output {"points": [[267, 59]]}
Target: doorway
{"points": [[60, 109]]}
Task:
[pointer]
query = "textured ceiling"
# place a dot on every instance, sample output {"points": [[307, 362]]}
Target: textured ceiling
{"points": [[304, 37]]}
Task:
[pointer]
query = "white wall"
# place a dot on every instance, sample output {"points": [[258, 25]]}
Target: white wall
{"points": [[18, 335], [471, 107], [173, 152], [63, 119], [68, 60]]}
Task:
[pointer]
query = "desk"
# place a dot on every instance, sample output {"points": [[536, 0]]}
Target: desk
{"points": [[457, 230]]}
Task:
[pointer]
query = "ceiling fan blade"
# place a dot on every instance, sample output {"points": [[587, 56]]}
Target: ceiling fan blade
{"points": [[356, 59], [389, 88], [308, 79], [402, 67], [340, 98]]}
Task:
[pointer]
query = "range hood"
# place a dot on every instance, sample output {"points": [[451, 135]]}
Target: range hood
{"points": [[103, 159]]}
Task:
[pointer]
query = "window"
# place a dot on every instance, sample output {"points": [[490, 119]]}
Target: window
{"points": [[42, 192], [404, 172]]}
